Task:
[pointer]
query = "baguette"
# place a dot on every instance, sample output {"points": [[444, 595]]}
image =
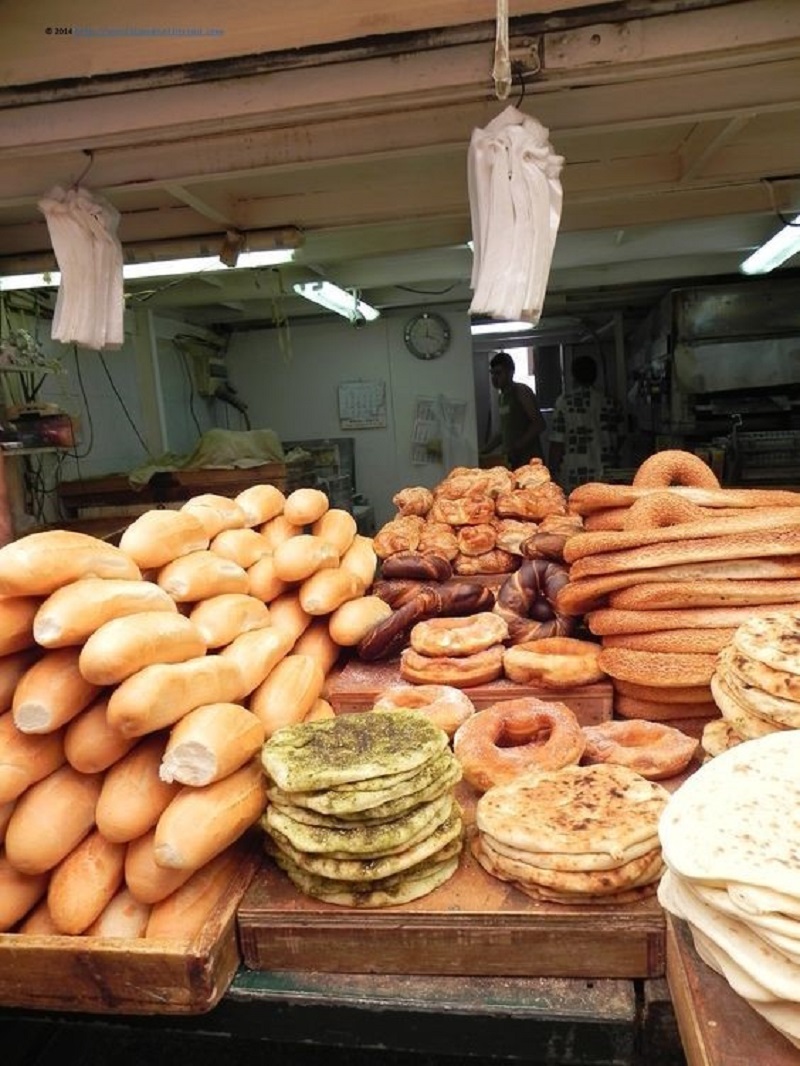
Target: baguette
{"points": [[326, 590], [123, 917], [158, 696], [72, 613], [200, 823], [242, 546], [123, 646], [38, 921], [209, 743], [301, 556], [351, 622], [288, 616], [91, 745], [52, 692], [83, 885], [215, 513], [338, 527], [134, 795], [6, 810], [201, 574], [320, 710], [360, 559], [19, 892], [264, 582], [12, 669], [278, 530], [26, 759], [254, 654], [288, 693], [182, 915], [40, 563], [305, 506], [157, 537], [220, 619], [146, 881], [260, 503], [317, 642], [51, 818], [16, 623]]}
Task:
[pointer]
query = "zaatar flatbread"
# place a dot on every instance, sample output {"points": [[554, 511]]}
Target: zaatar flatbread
{"points": [[772, 639]]}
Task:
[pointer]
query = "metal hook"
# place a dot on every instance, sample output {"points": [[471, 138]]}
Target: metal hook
{"points": [[86, 169], [517, 73]]}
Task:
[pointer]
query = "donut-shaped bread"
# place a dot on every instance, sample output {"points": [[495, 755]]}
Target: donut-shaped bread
{"points": [[557, 662], [527, 598], [675, 467], [414, 566], [662, 509], [652, 749], [444, 705], [462, 671], [458, 636], [515, 737]]}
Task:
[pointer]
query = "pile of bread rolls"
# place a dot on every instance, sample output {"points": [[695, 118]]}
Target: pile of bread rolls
{"points": [[138, 685]]}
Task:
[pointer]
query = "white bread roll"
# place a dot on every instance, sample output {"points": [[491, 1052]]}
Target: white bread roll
{"points": [[264, 582], [72, 613], [254, 654], [133, 795], [158, 696], [317, 642], [305, 506], [123, 917], [12, 669], [279, 529], [360, 559], [26, 759], [125, 645], [91, 745], [39, 563], [83, 885], [326, 590], [19, 893], [52, 692], [16, 623], [220, 619], [301, 556], [201, 574], [288, 692], [147, 881], [182, 915], [209, 743], [157, 537], [338, 527], [320, 710], [215, 512], [51, 818], [242, 546], [260, 503], [6, 810], [350, 622], [287, 615], [200, 823], [38, 921]]}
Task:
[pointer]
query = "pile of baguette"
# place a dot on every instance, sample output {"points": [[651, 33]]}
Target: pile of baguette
{"points": [[138, 684]]}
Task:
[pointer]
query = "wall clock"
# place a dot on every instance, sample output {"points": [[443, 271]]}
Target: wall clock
{"points": [[427, 335]]}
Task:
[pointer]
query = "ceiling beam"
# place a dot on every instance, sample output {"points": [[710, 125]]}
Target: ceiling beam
{"points": [[211, 207]]}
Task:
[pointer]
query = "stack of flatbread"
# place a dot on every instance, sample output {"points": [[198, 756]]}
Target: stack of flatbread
{"points": [[756, 684], [362, 811], [581, 835], [730, 837]]}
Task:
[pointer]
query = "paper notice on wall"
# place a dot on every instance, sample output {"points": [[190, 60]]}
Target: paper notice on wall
{"points": [[426, 435], [362, 404]]}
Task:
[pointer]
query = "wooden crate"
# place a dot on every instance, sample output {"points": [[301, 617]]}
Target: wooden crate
{"points": [[355, 686], [116, 976]]}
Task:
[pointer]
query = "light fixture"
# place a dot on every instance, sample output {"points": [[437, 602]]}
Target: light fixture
{"points": [[343, 301], [775, 251], [159, 269], [478, 328]]}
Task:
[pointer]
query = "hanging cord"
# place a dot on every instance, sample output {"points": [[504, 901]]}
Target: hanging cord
{"points": [[783, 218], [501, 72]]}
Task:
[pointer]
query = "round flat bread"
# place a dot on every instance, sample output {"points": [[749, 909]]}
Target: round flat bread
{"points": [[593, 860], [577, 810], [760, 676], [758, 899], [446, 836], [350, 747], [735, 819], [766, 926], [384, 838], [613, 899], [775, 709], [772, 639], [740, 981], [745, 724], [718, 736]]}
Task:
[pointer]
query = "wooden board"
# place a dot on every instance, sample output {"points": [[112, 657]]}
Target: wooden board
{"points": [[717, 1027], [356, 684], [116, 976], [474, 924]]}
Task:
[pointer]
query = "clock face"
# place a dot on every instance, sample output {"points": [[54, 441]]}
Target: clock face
{"points": [[427, 335]]}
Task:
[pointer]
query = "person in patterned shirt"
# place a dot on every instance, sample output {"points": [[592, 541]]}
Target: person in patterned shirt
{"points": [[584, 430]]}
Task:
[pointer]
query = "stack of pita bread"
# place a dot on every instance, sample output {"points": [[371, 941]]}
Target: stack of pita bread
{"points": [[756, 684], [580, 835], [361, 809], [730, 837]]}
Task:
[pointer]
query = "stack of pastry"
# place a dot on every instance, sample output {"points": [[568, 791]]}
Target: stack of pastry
{"points": [[667, 590], [361, 808], [580, 835], [730, 838], [756, 684]]}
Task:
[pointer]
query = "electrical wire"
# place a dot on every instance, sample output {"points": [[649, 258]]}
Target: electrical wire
{"points": [[187, 371], [122, 403]]}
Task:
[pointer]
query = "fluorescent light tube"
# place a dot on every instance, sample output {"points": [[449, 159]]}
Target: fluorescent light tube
{"points": [[344, 303], [160, 269], [500, 327], [775, 251]]}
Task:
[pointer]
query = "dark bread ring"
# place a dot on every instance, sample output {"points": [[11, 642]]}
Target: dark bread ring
{"points": [[413, 566], [527, 598]]}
